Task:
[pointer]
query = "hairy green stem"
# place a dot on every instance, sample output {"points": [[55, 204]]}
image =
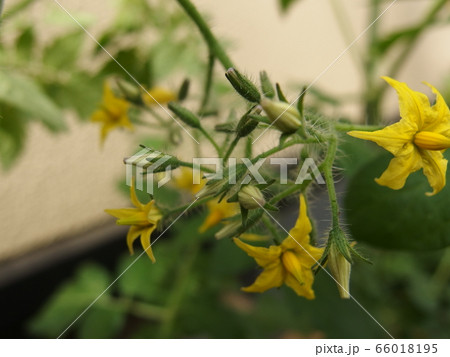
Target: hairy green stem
{"points": [[327, 170], [272, 229], [211, 140], [349, 127], [135, 308], [191, 166], [208, 83], [230, 149], [265, 154], [213, 45]]}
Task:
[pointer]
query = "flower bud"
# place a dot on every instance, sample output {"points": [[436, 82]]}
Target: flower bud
{"points": [[131, 92], [211, 188], [250, 197], [228, 230], [340, 269], [284, 116], [247, 124], [243, 86], [185, 115]]}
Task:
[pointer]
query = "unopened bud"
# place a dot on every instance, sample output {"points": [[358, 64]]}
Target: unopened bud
{"points": [[185, 115], [243, 86], [228, 230], [131, 92], [247, 124], [283, 115], [210, 189], [250, 197], [340, 269]]}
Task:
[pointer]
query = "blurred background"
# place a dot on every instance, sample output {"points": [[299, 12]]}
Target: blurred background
{"points": [[56, 178]]}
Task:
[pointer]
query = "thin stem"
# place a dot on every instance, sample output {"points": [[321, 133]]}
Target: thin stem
{"points": [[349, 127], [199, 202], [136, 308], [213, 45], [272, 229], [191, 166], [249, 147], [343, 21], [230, 149], [412, 40], [327, 170], [370, 68], [211, 140], [286, 193], [208, 83], [287, 144]]}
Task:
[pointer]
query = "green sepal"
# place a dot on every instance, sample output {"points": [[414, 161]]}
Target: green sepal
{"points": [[244, 215], [266, 85], [280, 94], [300, 101], [271, 207], [184, 90]]}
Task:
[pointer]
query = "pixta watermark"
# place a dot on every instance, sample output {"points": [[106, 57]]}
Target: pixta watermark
{"points": [[144, 164]]}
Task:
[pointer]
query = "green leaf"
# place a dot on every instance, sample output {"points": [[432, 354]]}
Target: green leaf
{"points": [[101, 322], [355, 153], [397, 219], [130, 59], [25, 42], [70, 300], [81, 93], [12, 134], [63, 52], [25, 94]]}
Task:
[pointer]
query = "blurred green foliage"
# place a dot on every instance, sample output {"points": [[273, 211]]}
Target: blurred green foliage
{"points": [[45, 75], [193, 292]]}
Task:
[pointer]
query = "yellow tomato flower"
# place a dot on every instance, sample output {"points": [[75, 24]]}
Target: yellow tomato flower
{"points": [[112, 114], [217, 212], [143, 221], [417, 140], [289, 263], [158, 95]]}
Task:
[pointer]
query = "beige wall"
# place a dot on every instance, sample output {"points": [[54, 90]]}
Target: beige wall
{"points": [[61, 184]]}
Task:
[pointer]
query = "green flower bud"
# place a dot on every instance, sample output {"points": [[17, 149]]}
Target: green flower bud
{"points": [[130, 91], [228, 230], [284, 116], [185, 115], [247, 124], [250, 197], [340, 268], [211, 188], [243, 86]]}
